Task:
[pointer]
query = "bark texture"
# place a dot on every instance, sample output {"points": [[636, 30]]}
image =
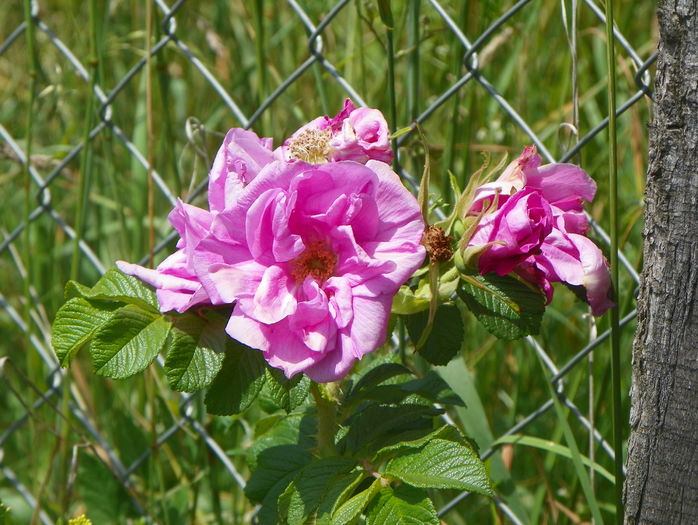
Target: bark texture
{"points": [[662, 479]]}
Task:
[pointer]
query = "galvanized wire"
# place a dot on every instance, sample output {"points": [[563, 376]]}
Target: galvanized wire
{"points": [[471, 74]]}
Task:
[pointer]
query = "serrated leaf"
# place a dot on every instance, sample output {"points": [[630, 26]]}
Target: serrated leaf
{"points": [[272, 465], [504, 305], [75, 289], [128, 342], [191, 364], [446, 336], [239, 381], [446, 432], [377, 422], [286, 394], [403, 505], [337, 493], [423, 390], [117, 286], [303, 496], [296, 429], [373, 378], [441, 464], [269, 512], [75, 325], [351, 509]]}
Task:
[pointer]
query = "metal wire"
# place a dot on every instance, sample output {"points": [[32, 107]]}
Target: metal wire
{"points": [[472, 74]]}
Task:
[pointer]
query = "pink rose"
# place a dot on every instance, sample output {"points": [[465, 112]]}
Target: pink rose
{"points": [[518, 229], [564, 253], [353, 134], [312, 255]]}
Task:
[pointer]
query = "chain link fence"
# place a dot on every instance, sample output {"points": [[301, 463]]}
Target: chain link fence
{"points": [[58, 397]]}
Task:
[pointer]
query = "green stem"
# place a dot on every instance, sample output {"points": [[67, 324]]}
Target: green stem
{"points": [[615, 314], [260, 52], [150, 130], [387, 18], [326, 404], [33, 362], [413, 60], [86, 157]]}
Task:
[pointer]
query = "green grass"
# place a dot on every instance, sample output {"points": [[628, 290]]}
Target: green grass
{"points": [[251, 47]]}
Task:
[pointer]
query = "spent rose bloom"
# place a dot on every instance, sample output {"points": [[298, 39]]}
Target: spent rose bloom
{"points": [[311, 256], [564, 253], [357, 134]]}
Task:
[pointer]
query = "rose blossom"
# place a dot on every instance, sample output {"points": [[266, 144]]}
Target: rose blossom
{"points": [[311, 256], [563, 254], [353, 134], [357, 134], [517, 230]]}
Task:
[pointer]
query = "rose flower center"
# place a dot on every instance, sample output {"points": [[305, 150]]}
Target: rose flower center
{"points": [[318, 261], [311, 146]]}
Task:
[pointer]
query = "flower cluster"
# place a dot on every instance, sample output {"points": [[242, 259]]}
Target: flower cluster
{"points": [[537, 228], [308, 243]]}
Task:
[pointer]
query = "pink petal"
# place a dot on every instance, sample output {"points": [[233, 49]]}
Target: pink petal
{"points": [[597, 276], [562, 183], [273, 300], [368, 329], [335, 365], [238, 161]]}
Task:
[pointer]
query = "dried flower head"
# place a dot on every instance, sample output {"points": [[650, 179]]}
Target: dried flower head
{"points": [[438, 244]]}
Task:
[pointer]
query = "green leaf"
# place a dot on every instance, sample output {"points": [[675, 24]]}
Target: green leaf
{"points": [[75, 325], [423, 390], [273, 464], [447, 432], [378, 423], [441, 464], [403, 505], [337, 493], [555, 448], [505, 306], [239, 381], [286, 394], [350, 510], [129, 342], [298, 428], [196, 351], [446, 335], [75, 289], [303, 496], [116, 286], [190, 364], [375, 377], [406, 302]]}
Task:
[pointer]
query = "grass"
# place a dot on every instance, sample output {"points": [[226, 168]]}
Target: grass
{"points": [[250, 48]]}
